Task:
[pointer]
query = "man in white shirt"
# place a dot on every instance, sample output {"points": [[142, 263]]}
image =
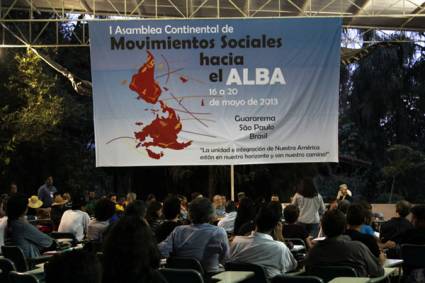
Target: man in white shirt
{"points": [[260, 248], [75, 220], [228, 221]]}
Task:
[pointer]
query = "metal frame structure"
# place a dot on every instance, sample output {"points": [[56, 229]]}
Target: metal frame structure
{"points": [[26, 22]]}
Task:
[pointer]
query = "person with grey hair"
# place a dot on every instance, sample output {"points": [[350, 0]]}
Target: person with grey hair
{"points": [[200, 240], [130, 198]]}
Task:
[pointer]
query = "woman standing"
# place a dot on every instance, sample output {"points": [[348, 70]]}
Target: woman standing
{"points": [[311, 206]]}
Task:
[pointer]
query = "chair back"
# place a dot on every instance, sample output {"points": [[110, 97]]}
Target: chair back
{"points": [[173, 275], [185, 263], [259, 272], [16, 255], [6, 266], [296, 279], [327, 273], [16, 277], [413, 256]]}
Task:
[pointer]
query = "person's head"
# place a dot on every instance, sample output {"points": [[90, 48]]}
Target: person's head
{"points": [[67, 197], [201, 211], [171, 208], [17, 206], [78, 201], [418, 216], [246, 209], [130, 252], [49, 181], [275, 198], [104, 209], [74, 266], [34, 202], [266, 220], [13, 188], [230, 206], [113, 198], [217, 201], [291, 214], [131, 197], [356, 215], [195, 195], [403, 208], [92, 195], [343, 206], [333, 223], [306, 188], [276, 207], [343, 188], [154, 210], [137, 209], [241, 195], [150, 198]]}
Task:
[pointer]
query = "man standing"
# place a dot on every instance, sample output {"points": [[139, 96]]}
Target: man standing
{"points": [[260, 248], [46, 192]]}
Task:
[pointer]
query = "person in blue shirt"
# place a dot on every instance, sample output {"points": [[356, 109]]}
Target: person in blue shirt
{"points": [[46, 192]]}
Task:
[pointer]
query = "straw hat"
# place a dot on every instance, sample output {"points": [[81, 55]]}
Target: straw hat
{"points": [[59, 200], [34, 202]]}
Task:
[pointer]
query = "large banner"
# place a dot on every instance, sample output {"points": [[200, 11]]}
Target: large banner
{"points": [[203, 92]]}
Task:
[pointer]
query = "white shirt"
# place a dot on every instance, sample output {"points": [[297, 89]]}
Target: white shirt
{"points": [[75, 222], [3, 224], [261, 249], [310, 208], [228, 222], [96, 229]]}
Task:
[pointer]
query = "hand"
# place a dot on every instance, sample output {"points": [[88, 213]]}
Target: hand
{"points": [[390, 245]]}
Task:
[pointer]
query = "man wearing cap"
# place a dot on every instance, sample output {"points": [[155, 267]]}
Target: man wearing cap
{"points": [[46, 192]]}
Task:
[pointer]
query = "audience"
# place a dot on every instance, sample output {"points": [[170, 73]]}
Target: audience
{"points": [[338, 249], [75, 220], [366, 227], [130, 198], [244, 222], [219, 206], [3, 221], [103, 212], [13, 189], [73, 267], [91, 202], [200, 240], [20, 232], [130, 253], [46, 192], [33, 205], [57, 210], [228, 221], [171, 212], [310, 204], [393, 229], [292, 229], [137, 208], [260, 248], [416, 235]]}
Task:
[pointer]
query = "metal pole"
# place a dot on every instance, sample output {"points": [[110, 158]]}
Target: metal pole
{"points": [[232, 182]]}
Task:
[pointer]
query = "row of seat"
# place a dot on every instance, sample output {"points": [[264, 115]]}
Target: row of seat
{"points": [[8, 273]]}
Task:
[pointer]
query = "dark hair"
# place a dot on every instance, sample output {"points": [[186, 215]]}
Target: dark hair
{"points": [[246, 213], [276, 207], [267, 219], [230, 206], [150, 197], [137, 208], [419, 212], [130, 253], [291, 213], [307, 188], [241, 195], [356, 214], [16, 207], [153, 208], [343, 206], [78, 201], [171, 207], [201, 210], [333, 223], [403, 208], [104, 209], [74, 266]]}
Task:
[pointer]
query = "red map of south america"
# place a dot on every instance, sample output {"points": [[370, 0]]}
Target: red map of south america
{"points": [[163, 131]]}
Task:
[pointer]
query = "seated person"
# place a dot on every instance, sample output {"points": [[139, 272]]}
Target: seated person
{"points": [[261, 249], [228, 221], [200, 240], [219, 206], [339, 250], [75, 220], [291, 229], [154, 215], [20, 232], [130, 253], [393, 229], [355, 219], [3, 221], [34, 203], [416, 235], [74, 266], [171, 212], [103, 211]]}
